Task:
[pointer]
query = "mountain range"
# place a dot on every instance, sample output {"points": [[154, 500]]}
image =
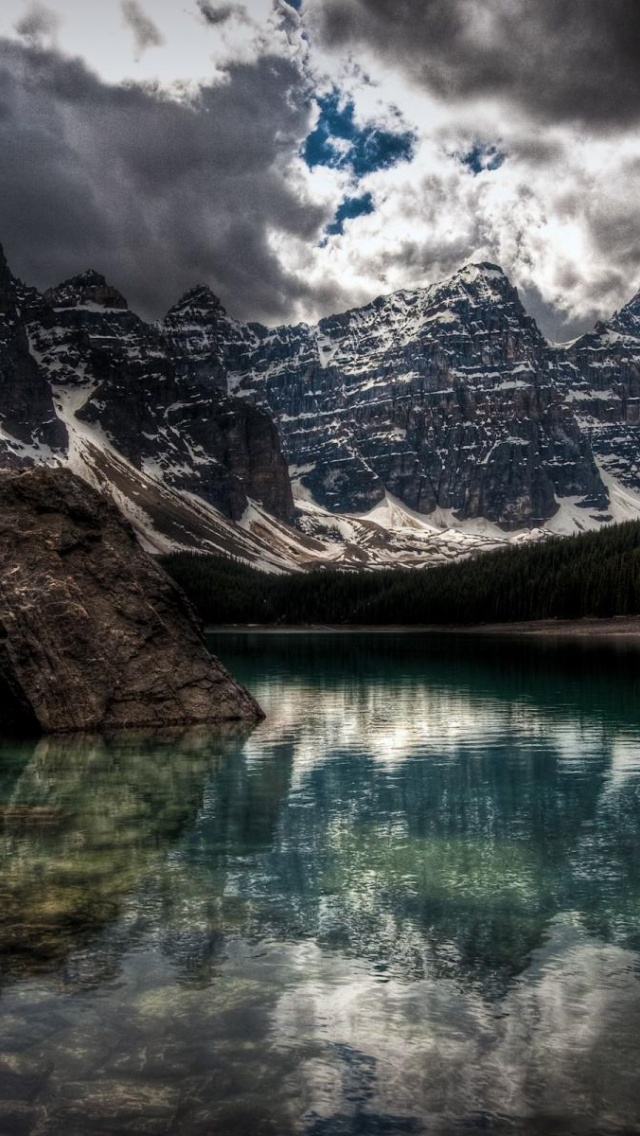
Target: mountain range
{"points": [[423, 426]]}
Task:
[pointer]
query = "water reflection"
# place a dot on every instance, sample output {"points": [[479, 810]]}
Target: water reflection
{"points": [[409, 901], [83, 820]]}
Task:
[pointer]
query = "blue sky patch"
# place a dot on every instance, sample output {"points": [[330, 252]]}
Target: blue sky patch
{"points": [[481, 158], [339, 142], [350, 207], [297, 4]]}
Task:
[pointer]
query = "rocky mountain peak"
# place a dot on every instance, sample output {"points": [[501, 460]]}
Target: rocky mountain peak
{"points": [[447, 397], [489, 267], [627, 320], [16, 298], [196, 330], [483, 281], [87, 289], [481, 269], [6, 283], [30, 426], [200, 304], [438, 395]]}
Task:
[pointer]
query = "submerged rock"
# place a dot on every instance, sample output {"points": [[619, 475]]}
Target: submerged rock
{"points": [[93, 634], [117, 804]]}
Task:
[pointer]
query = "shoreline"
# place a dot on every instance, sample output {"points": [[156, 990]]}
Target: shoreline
{"points": [[621, 626]]}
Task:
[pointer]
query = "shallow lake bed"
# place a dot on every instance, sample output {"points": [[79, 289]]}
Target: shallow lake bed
{"points": [[408, 901]]}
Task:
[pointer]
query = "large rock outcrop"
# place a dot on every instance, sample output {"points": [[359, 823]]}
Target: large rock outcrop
{"points": [[93, 634]]}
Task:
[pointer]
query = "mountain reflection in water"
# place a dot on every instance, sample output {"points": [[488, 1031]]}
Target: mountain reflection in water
{"points": [[409, 901]]}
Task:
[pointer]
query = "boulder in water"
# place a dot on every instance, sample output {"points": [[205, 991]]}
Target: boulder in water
{"points": [[93, 633]]}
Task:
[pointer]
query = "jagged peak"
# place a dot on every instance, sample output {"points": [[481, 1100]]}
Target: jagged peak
{"points": [[472, 272], [624, 322], [86, 289], [5, 271], [89, 279], [482, 275], [481, 282], [477, 268], [201, 300], [14, 295], [632, 308]]}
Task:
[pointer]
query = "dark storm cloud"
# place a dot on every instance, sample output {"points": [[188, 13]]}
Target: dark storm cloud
{"points": [[214, 14], [558, 60], [145, 32], [38, 23], [554, 324], [156, 194]]}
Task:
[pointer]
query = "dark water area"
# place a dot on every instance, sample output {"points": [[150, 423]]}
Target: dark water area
{"points": [[408, 902]]}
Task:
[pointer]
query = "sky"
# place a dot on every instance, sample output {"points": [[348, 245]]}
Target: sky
{"points": [[304, 156]]}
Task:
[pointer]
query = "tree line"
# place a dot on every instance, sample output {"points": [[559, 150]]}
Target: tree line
{"points": [[592, 574]]}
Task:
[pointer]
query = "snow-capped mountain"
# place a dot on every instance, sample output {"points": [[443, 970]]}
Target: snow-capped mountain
{"points": [[422, 427], [110, 378], [447, 397], [30, 430], [600, 375]]}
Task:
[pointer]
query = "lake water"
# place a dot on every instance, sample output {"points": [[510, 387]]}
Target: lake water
{"points": [[408, 902]]}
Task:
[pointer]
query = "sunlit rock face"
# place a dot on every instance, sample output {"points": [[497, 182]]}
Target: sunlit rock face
{"points": [[93, 634], [445, 396]]}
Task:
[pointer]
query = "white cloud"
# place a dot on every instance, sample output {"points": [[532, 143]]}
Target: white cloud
{"points": [[190, 51], [561, 215]]}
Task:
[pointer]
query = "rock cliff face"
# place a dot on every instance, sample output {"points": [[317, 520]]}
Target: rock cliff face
{"points": [[93, 634], [448, 398], [29, 427], [88, 290], [600, 378], [445, 396], [195, 332], [112, 371], [77, 354]]}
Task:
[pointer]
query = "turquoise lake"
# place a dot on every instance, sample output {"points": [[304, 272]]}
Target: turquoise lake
{"points": [[407, 902]]}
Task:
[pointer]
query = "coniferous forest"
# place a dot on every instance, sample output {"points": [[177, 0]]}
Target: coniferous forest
{"points": [[593, 574]]}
